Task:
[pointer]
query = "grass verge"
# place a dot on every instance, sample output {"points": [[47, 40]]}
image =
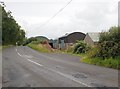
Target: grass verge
{"points": [[0, 48], [5, 46], [39, 48], [110, 62]]}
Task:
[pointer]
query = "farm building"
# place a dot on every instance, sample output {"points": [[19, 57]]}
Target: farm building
{"points": [[70, 39], [54, 43], [66, 40], [92, 38]]}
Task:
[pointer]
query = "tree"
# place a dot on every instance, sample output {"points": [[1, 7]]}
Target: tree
{"points": [[11, 30]]}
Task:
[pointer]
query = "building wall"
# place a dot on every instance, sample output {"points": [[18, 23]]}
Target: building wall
{"points": [[55, 45], [88, 40]]}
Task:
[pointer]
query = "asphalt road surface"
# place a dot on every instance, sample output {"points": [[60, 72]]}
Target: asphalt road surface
{"points": [[0, 68], [24, 67]]}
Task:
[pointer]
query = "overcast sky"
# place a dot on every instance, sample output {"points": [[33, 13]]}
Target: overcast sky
{"points": [[80, 15]]}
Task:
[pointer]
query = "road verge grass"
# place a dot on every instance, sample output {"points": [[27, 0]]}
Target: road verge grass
{"points": [[38, 48], [110, 62], [0, 46], [5, 46]]}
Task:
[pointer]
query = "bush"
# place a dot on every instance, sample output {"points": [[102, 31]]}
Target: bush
{"points": [[108, 49], [93, 52], [109, 44], [80, 47]]}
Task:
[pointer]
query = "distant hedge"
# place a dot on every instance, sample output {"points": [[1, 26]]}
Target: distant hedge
{"points": [[29, 40]]}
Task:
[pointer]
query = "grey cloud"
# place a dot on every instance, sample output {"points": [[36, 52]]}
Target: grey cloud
{"points": [[94, 13], [78, 16]]}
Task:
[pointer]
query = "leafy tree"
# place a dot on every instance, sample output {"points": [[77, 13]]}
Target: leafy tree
{"points": [[0, 25], [11, 31]]}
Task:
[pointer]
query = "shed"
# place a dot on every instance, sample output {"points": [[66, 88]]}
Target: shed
{"points": [[92, 38]]}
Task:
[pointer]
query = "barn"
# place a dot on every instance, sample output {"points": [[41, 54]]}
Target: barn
{"points": [[70, 39]]}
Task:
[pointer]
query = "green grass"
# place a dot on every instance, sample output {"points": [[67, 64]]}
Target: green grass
{"points": [[66, 52], [0, 48], [110, 62], [5, 46], [38, 48]]}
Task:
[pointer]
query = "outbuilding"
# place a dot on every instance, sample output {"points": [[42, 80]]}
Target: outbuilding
{"points": [[92, 38], [70, 39]]}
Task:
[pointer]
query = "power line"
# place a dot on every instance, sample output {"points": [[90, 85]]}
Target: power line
{"points": [[57, 12]]}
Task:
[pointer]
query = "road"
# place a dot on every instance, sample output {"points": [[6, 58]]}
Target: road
{"points": [[24, 67], [0, 68]]}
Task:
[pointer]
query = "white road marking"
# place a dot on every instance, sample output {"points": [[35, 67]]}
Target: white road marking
{"points": [[28, 56], [19, 54], [28, 59], [69, 77], [34, 62]]}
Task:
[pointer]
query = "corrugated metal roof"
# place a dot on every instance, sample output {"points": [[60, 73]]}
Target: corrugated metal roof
{"points": [[69, 34], [65, 35], [94, 36]]}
